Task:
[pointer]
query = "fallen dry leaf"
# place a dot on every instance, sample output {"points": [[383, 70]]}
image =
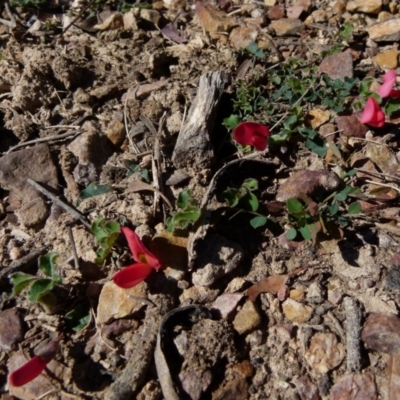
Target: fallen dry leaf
{"points": [[272, 285]]}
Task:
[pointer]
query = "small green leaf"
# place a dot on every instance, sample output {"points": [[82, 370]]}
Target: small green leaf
{"points": [[352, 172], [232, 122], [334, 208], [47, 263], [250, 184], [39, 288], [392, 106], [317, 146], [20, 281], [258, 221], [294, 206], [78, 318], [253, 201], [291, 234], [94, 189], [306, 232], [354, 208]]}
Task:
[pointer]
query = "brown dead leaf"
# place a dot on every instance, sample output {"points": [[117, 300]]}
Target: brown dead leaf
{"points": [[213, 19], [272, 285], [354, 387], [381, 332], [143, 90], [139, 186], [393, 374], [113, 21], [307, 183]]}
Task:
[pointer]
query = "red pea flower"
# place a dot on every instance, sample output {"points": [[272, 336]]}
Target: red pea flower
{"points": [[146, 262], [252, 134], [386, 89], [372, 114], [34, 367]]}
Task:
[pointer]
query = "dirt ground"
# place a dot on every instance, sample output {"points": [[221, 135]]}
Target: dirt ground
{"points": [[136, 100]]}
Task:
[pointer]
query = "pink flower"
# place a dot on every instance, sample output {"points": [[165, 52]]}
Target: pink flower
{"points": [[386, 89], [372, 114], [146, 262], [34, 367], [252, 134]]}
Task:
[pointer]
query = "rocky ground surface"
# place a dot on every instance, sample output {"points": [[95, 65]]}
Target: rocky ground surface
{"points": [[281, 275]]}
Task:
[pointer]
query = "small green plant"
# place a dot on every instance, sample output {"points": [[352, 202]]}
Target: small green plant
{"points": [[246, 200], [134, 168], [309, 218], [106, 233], [94, 189], [39, 288], [254, 50], [187, 212], [27, 4]]}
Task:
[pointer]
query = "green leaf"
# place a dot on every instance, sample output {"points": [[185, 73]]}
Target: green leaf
{"points": [[317, 146], [39, 288], [250, 184], [352, 172], [47, 263], [78, 318], [334, 208], [184, 198], [20, 281], [291, 234], [253, 201], [306, 232], [94, 189], [392, 106], [231, 122], [253, 48], [232, 197], [294, 206], [354, 208], [258, 221]]}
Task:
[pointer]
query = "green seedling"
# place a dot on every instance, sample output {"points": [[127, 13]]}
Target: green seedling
{"points": [[78, 318], [244, 198], [309, 218], [187, 212], [106, 233], [40, 289], [134, 168], [94, 189]]}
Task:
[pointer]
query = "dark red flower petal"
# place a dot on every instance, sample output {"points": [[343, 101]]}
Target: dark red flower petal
{"points": [[28, 372], [252, 134], [139, 252], [132, 275]]}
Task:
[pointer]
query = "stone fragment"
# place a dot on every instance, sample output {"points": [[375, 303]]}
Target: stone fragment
{"points": [[339, 7], [296, 294], [354, 386], [198, 295], [247, 319], [381, 332], [365, 6], [270, 3], [387, 59], [276, 12], [315, 294], [386, 31], [219, 257], [296, 312], [116, 132], [286, 26], [316, 117], [11, 328], [350, 126], [327, 130], [337, 66], [34, 163], [226, 303], [384, 15], [115, 302], [325, 352], [320, 16], [307, 389], [393, 376], [235, 389], [382, 157], [294, 12], [307, 182]]}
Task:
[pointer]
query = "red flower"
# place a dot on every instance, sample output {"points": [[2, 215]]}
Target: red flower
{"points": [[386, 89], [372, 114], [34, 367], [146, 262], [252, 134]]}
